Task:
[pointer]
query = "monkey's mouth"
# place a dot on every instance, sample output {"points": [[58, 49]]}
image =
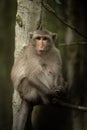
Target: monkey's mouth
{"points": [[41, 52]]}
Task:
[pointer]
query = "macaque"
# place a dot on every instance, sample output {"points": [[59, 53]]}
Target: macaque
{"points": [[36, 74]]}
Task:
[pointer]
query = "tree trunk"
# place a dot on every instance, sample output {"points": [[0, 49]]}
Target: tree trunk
{"points": [[28, 18]]}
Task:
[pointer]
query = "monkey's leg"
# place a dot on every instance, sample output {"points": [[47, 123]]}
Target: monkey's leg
{"points": [[23, 113]]}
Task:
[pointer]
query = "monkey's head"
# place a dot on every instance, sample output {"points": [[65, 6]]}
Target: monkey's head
{"points": [[42, 41]]}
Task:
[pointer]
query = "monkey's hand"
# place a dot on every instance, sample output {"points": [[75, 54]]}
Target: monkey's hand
{"points": [[55, 91], [59, 92]]}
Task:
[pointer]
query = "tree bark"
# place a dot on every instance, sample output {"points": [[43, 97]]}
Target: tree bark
{"points": [[28, 18]]}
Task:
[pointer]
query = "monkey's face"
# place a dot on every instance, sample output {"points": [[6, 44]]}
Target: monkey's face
{"points": [[42, 41]]}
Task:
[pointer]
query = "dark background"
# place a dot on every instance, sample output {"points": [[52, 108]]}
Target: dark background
{"points": [[7, 30]]}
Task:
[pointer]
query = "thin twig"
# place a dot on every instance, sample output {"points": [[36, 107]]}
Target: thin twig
{"points": [[73, 44], [70, 106], [59, 102], [50, 9]]}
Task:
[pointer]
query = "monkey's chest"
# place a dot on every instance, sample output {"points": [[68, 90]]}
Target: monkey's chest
{"points": [[51, 68], [49, 74]]}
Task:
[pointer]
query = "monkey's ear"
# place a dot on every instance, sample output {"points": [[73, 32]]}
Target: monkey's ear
{"points": [[54, 36], [31, 34]]}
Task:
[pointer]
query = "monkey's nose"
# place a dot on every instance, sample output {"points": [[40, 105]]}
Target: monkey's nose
{"points": [[41, 47]]}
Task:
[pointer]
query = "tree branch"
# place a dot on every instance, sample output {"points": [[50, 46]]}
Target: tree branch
{"points": [[51, 10], [58, 102], [73, 43], [69, 106]]}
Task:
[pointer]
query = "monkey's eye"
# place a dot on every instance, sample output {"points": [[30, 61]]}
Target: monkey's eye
{"points": [[38, 38], [45, 38]]}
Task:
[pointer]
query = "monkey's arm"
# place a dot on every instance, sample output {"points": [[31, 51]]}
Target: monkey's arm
{"points": [[43, 82], [29, 88]]}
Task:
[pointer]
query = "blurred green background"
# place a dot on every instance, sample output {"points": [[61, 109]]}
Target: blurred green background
{"points": [[7, 22]]}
